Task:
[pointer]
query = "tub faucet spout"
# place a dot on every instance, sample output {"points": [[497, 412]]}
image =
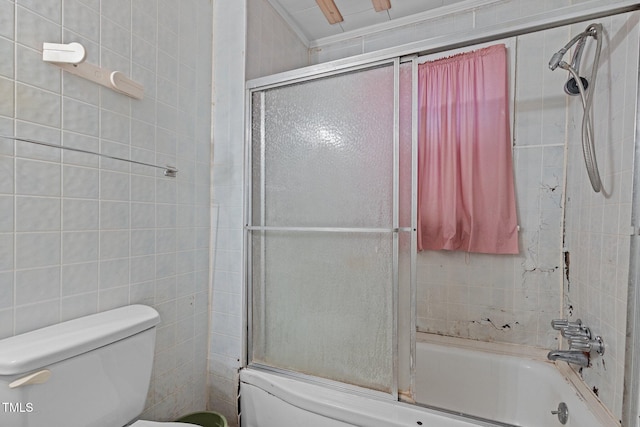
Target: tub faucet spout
{"points": [[571, 356]]}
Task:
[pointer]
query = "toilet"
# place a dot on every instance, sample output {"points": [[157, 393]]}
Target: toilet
{"points": [[93, 371]]}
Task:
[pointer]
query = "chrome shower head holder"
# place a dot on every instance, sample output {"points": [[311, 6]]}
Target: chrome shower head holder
{"points": [[571, 87], [577, 85]]}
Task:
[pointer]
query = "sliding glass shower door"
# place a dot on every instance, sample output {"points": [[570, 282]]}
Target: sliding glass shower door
{"points": [[323, 227]]}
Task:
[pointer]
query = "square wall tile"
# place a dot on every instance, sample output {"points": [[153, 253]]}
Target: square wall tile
{"points": [[35, 316], [37, 285], [6, 214], [37, 214], [6, 290], [114, 215], [6, 52], [79, 278], [80, 117], [82, 19], [6, 323], [114, 273], [37, 250], [114, 244], [6, 92], [32, 70], [33, 29], [37, 105], [79, 246], [77, 306], [78, 214], [6, 251], [80, 182]]}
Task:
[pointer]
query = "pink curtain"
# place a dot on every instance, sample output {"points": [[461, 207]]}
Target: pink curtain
{"points": [[466, 198]]}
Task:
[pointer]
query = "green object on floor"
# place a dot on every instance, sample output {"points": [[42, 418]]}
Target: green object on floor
{"points": [[205, 419]]}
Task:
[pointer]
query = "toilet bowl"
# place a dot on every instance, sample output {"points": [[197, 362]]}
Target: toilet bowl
{"points": [[92, 371]]}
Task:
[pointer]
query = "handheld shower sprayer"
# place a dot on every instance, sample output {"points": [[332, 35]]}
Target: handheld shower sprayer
{"points": [[577, 85], [556, 59]]}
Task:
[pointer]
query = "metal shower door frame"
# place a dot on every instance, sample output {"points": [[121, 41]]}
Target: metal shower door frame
{"points": [[250, 228], [571, 14]]}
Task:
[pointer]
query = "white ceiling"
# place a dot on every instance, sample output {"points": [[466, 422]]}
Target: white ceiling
{"points": [[306, 18]]}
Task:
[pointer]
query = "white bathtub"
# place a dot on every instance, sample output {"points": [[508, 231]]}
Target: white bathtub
{"points": [[514, 385], [511, 390]]}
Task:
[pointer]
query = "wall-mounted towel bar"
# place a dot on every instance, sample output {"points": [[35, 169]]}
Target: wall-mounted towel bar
{"points": [[169, 171], [71, 56]]}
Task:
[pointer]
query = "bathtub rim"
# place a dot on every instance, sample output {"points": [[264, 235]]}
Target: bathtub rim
{"points": [[257, 376], [597, 408], [323, 382]]}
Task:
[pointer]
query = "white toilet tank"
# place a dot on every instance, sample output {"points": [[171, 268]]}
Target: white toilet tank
{"points": [[92, 371]]}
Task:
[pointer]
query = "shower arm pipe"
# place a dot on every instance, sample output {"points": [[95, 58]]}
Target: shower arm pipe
{"points": [[577, 55], [169, 171]]}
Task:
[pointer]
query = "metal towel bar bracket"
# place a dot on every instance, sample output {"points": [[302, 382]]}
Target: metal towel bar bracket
{"points": [[169, 171]]}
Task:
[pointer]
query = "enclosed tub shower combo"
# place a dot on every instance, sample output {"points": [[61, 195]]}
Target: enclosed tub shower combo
{"points": [[354, 317]]}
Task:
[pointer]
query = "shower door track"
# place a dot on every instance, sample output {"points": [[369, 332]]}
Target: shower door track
{"points": [[328, 229]]}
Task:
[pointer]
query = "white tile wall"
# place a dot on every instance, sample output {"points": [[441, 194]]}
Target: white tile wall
{"points": [[598, 225], [80, 234]]}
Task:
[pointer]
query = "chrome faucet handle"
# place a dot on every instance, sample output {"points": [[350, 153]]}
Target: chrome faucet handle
{"points": [[560, 324], [573, 331], [580, 343], [587, 344]]}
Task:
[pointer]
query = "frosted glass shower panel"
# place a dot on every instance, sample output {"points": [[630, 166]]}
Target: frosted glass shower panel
{"points": [[322, 232], [323, 153], [325, 305]]}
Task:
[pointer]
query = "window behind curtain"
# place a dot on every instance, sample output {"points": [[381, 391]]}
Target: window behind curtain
{"points": [[466, 197]]}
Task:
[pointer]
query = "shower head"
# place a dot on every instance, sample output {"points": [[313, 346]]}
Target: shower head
{"points": [[571, 86]]}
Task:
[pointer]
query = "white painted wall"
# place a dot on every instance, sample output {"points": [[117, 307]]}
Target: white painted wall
{"points": [[272, 46], [225, 344], [250, 39]]}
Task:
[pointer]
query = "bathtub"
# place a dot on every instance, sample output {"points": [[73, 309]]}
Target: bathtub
{"points": [[513, 385], [510, 387]]}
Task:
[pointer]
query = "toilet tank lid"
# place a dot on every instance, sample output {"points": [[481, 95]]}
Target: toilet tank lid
{"points": [[37, 349]]}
